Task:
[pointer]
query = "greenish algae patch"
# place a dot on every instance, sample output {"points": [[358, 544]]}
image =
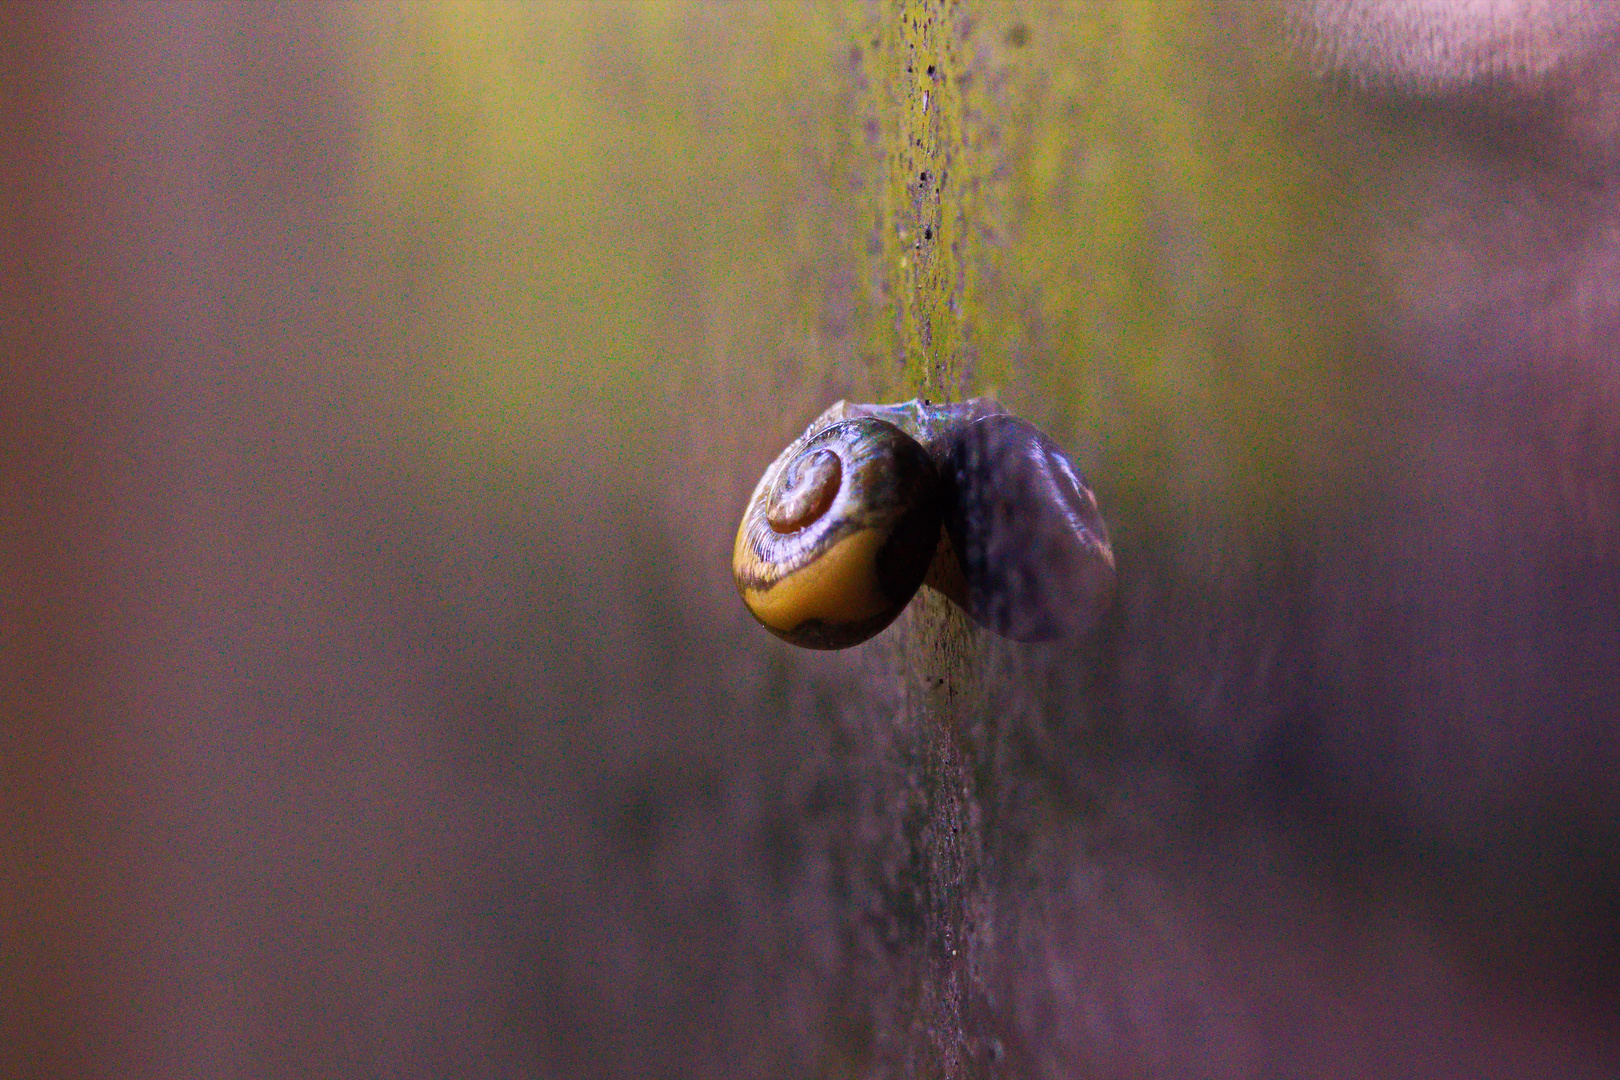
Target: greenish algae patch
{"points": [[1172, 245], [623, 228], [656, 216], [1081, 209], [931, 173]]}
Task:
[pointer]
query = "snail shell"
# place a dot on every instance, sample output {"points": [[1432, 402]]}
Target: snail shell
{"points": [[839, 534], [872, 500], [1024, 527]]}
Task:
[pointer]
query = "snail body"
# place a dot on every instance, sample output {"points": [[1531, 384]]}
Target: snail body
{"points": [[872, 500]]}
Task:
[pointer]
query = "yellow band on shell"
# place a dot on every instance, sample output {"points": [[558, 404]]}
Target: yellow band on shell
{"points": [[839, 587]]}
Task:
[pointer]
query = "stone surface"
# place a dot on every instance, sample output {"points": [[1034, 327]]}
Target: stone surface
{"points": [[383, 389]]}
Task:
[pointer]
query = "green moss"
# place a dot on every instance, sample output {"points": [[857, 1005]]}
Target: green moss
{"points": [[1063, 206], [930, 175]]}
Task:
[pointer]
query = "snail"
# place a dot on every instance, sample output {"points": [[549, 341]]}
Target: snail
{"points": [[873, 501]]}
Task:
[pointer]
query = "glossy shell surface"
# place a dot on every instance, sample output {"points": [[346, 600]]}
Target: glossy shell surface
{"points": [[839, 533]]}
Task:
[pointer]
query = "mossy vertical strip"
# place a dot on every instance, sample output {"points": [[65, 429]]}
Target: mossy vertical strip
{"points": [[925, 221]]}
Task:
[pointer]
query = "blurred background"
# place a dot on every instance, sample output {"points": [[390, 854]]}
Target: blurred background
{"points": [[382, 386]]}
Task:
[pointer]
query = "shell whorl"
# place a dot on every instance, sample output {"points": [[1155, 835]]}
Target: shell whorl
{"points": [[839, 533]]}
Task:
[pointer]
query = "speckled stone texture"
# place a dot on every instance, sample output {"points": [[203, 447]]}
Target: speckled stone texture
{"points": [[381, 388]]}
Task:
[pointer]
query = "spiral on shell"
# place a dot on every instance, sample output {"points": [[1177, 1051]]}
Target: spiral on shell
{"points": [[839, 534], [848, 522]]}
